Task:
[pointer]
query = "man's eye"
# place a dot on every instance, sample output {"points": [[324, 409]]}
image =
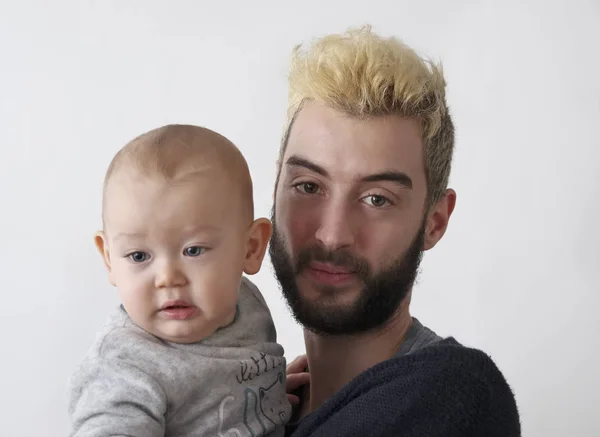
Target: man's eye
{"points": [[376, 200], [193, 251], [138, 257], [308, 188]]}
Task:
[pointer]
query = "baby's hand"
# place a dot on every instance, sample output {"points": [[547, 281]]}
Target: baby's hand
{"points": [[297, 376]]}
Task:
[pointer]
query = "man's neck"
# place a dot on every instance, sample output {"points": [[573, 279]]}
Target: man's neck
{"points": [[334, 361]]}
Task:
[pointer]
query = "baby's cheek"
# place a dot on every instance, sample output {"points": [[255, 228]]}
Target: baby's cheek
{"points": [[141, 289], [207, 289], [138, 294], [222, 298]]}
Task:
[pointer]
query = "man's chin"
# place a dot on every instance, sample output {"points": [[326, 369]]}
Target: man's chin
{"points": [[323, 310], [324, 318]]}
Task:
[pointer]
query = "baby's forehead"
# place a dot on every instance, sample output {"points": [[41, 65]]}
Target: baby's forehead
{"points": [[155, 205], [196, 193]]}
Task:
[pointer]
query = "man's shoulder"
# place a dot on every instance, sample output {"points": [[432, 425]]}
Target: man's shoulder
{"points": [[445, 358], [445, 379], [452, 353], [469, 384], [444, 388]]}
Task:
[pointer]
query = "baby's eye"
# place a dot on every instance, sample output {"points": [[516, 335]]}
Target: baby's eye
{"points": [[138, 256], [193, 251]]}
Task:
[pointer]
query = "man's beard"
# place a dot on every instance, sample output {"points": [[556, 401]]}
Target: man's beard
{"points": [[378, 300]]}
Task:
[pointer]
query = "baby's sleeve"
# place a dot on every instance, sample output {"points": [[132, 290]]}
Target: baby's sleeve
{"points": [[115, 398]]}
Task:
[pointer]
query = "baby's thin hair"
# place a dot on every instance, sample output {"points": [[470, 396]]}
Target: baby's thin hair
{"points": [[177, 150], [168, 151]]}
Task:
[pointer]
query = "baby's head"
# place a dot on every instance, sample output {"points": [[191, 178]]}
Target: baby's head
{"points": [[179, 230]]}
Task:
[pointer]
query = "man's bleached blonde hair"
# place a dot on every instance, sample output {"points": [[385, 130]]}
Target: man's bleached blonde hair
{"points": [[365, 75]]}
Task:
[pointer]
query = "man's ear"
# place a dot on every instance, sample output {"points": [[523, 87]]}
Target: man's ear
{"points": [[438, 218], [102, 246], [259, 234]]}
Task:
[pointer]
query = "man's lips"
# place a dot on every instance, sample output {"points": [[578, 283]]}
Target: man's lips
{"points": [[329, 268], [329, 274], [178, 310]]}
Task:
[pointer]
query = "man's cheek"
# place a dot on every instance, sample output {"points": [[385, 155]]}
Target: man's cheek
{"points": [[302, 226]]}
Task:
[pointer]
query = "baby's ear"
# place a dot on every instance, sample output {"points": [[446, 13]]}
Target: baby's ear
{"points": [[258, 239], [102, 246]]}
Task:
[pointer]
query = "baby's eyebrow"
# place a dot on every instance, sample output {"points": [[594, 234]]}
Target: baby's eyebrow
{"points": [[123, 235], [201, 229]]}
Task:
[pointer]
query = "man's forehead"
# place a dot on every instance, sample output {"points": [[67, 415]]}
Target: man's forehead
{"points": [[338, 142]]}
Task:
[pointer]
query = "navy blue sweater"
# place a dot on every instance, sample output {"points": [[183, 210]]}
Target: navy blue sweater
{"points": [[444, 389]]}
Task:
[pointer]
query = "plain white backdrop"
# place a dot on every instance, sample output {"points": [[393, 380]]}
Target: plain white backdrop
{"points": [[517, 274]]}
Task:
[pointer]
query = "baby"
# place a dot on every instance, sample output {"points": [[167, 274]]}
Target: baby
{"points": [[192, 349]]}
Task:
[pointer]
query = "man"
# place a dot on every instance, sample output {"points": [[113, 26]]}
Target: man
{"points": [[361, 193]]}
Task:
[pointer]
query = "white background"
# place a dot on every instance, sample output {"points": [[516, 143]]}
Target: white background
{"points": [[517, 273]]}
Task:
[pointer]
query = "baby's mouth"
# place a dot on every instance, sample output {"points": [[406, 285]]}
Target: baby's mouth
{"points": [[178, 310]]}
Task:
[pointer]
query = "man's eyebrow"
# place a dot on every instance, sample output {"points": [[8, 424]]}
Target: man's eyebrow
{"points": [[296, 161], [392, 176]]}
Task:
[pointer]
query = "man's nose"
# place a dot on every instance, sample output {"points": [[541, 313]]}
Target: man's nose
{"points": [[169, 274], [335, 227]]}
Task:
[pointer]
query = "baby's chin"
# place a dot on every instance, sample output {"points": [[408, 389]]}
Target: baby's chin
{"points": [[184, 327], [183, 334], [189, 331]]}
